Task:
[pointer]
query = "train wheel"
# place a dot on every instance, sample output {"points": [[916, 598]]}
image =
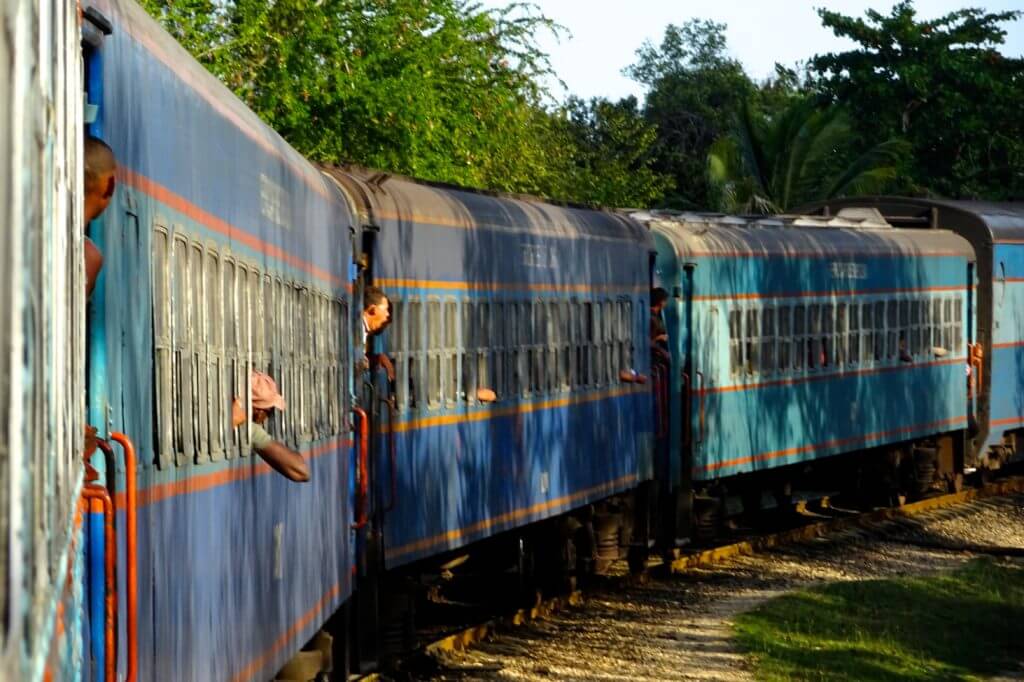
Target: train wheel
{"points": [[925, 461], [707, 518]]}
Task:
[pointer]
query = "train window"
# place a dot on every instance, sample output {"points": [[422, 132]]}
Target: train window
{"points": [[413, 344], [485, 339], [926, 328], [572, 322], [814, 335], [958, 322], [583, 356], [470, 339], [879, 336], [892, 330], [163, 344], [433, 325], [498, 337], [451, 351], [217, 386], [594, 343], [553, 346], [784, 315], [867, 325], [540, 340], [853, 345], [826, 348], [630, 340], [915, 315], [564, 349], [735, 342], [433, 353], [751, 334], [767, 340], [395, 335], [609, 339], [799, 338], [947, 327], [511, 342], [840, 339]]}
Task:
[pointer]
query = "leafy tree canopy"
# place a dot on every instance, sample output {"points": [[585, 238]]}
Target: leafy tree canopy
{"points": [[438, 89], [940, 83], [804, 153], [695, 93]]}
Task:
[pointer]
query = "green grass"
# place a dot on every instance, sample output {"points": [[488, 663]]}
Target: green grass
{"points": [[958, 626]]}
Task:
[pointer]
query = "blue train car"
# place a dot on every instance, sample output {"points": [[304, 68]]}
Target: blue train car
{"points": [[225, 252], [795, 339], [545, 305], [996, 233]]}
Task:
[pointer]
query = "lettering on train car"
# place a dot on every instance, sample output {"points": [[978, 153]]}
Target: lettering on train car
{"points": [[535, 256], [272, 200], [842, 270]]}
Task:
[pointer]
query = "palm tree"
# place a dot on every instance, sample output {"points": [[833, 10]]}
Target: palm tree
{"points": [[773, 164]]}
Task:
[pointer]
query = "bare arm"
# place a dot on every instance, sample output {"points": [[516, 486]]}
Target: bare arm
{"points": [[285, 461], [93, 265], [281, 458]]}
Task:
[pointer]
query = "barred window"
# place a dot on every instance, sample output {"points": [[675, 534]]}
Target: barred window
{"points": [[826, 347], [215, 318], [800, 350], [958, 325], [767, 341], [735, 342], [854, 335], [451, 352], [785, 329]]}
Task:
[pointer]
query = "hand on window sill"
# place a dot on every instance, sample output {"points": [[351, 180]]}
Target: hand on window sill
{"points": [[486, 395], [627, 376], [237, 413]]}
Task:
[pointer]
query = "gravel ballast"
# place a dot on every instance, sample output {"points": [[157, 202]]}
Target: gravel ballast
{"points": [[680, 627]]}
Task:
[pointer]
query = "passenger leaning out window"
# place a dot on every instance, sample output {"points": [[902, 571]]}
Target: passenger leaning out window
{"points": [[265, 399]]}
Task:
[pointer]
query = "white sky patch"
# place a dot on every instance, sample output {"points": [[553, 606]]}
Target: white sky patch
{"points": [[606, 33]]}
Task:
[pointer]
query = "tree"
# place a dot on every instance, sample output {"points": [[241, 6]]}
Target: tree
{"points": [[944, 86], [773, 164], [695, 93], [438, 89], [612, 146]]}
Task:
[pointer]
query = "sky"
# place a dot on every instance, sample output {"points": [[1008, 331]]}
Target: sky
{"points": [[606, 33]]}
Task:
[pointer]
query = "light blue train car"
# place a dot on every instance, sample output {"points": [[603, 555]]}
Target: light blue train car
{"points": [[996, 233], [797, 339]]}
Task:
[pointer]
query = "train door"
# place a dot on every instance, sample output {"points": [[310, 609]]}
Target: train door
{"points": [[95, 28], [371, 392]]}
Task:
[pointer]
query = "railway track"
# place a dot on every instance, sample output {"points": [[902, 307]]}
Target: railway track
{"points": [[892, 524]]}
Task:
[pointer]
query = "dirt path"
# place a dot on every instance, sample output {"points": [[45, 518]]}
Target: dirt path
{"points": [[680, 628]]}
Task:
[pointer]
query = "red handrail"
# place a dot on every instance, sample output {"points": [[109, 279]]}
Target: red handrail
{"points": [[99, 494], [362, 492], [131, 563]]}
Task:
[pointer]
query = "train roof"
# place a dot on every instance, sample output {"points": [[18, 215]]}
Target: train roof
{"points": [[130, 19], [987, 221], [387, 198], [853, 231]]}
